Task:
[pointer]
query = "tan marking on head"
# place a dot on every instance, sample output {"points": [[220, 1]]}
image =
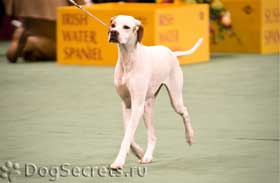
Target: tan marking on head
{"points": [[112, 21], [140, 33]]}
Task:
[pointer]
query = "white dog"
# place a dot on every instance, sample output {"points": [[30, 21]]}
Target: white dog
{"points": [[139, 74]]}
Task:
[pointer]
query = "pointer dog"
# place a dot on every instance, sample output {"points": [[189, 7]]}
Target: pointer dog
{"points": [[139, 74]]}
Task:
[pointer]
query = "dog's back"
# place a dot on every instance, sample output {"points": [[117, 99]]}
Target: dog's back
{"points": [[160, 56]]}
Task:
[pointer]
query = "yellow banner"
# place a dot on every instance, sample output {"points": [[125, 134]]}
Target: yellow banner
{"points": [[81, 40]]}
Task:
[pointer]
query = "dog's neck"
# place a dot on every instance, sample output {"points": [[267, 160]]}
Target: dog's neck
{"points": [[127, 55]]}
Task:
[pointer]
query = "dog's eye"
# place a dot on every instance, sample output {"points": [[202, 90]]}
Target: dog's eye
{"points": [[126, 27], [113, 25]]}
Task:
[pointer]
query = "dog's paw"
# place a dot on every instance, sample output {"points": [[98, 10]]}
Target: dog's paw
{"points": [[116, 166], [146, 160], [190, 140]]}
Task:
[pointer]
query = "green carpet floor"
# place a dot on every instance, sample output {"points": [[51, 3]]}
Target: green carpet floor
{"points": [[54, 114]]}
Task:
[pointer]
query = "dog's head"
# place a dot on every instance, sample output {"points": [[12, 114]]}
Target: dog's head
{"points": [[125, 29]]}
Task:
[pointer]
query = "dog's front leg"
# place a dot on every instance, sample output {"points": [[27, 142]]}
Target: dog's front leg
{"points": [[136, 113], [148, 119], [135, 148]]}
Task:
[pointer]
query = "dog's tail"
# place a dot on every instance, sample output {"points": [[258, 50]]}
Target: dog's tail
{"points": [[190, 51]]}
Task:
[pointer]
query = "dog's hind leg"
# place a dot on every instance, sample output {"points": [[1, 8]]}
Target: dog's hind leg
{"points": [[135, 148], [148, 119], [175, 86]]}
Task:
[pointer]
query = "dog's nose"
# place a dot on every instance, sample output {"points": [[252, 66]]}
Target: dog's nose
{"points": [[114, 33], [114, 36]]}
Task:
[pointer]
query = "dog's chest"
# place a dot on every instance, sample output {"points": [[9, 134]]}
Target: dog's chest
{"points": [[121, 85]]}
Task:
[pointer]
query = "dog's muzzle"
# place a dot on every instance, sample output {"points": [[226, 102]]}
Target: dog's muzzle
{"points": [[114, 35]]}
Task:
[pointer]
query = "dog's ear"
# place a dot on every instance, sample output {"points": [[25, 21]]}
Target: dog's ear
{"points": [[140, 33], [112, 19]]}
